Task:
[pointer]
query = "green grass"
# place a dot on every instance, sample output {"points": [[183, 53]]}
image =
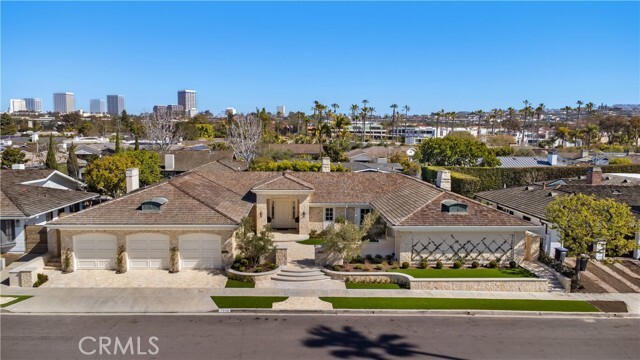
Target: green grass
{"points": [[458, 304], [352, 285], [239, 284], [19, 298], [317, 241], [466, 273], [247, 302]]}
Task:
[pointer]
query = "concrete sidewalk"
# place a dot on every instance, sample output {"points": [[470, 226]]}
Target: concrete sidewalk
{"points": [[113, 300]]}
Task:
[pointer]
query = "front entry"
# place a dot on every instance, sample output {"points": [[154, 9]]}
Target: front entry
{"points": [[283, 214]]}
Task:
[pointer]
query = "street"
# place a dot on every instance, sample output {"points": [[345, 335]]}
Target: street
{"points": [[315, 337]]}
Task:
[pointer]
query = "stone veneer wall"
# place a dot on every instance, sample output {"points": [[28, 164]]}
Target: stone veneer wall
{"points": [[226, 236]]}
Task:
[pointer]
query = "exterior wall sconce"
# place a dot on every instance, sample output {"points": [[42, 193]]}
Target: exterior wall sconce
{"points": [[304, 214]]}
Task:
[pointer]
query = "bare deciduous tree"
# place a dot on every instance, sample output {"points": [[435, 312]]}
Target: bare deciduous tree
{"points": [[244, 135], [160, 130]]}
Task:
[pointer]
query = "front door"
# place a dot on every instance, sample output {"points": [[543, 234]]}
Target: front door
{"points": [[283, 214]]}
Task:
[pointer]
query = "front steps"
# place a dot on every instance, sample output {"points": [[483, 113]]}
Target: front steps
{"points": [[53, 264], [292, 274]]}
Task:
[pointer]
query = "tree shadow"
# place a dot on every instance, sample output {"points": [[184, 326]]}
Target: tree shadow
{"points": [[350, 343]]}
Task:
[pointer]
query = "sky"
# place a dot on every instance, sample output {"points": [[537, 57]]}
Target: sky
{"points": [[457, 56]]}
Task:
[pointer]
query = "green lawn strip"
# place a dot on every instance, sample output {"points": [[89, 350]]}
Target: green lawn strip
{"points": [[247, 302], [459, 304], [19, 298], [351, 285], [239, 284], [311, 242], [466, 273]]}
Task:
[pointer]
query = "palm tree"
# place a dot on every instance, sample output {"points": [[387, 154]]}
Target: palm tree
{"points": [[567, 110], [354, 109], [340, 124], [406, 109], [443, 115], [453, 119], [495, 114], [335, 108], [394, 107], [562, 133], [480, 116], [579, 102], [525, 111], [364, 116], [539, 111]]}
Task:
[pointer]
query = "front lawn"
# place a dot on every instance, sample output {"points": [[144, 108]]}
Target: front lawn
{"points": [[517, 272], [315, 241], [239, 284], [15, 301], [458, 304], [352, 285], [247, 302]]}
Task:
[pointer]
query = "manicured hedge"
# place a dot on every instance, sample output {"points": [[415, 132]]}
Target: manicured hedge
{"points": [[469, 180]]}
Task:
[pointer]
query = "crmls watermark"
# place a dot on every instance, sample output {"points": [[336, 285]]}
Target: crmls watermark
{"points": [[105, 345]]}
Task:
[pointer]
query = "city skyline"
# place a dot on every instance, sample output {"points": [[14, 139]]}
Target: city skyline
{"points": [[435, 55]]}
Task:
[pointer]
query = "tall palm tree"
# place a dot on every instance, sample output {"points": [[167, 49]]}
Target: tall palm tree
{"points": [[406, 109], [525, 112], [579, 102], [495, 114], [539, 111], [365, 109], [443, 115], [480, 114], [393, 120], [354, 109], [567, 110], [452, 114], [335, 108]]}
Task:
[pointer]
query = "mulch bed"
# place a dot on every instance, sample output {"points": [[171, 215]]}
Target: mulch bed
{"points": [[632, 266], [622, 274], [610, 306], [587, 286], [608, 279]]}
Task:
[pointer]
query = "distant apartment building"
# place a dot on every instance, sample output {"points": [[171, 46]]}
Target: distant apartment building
{"points": [[187, 98], [63, 102], [280, 110], [115, 104], [16, 105], [33, 104], [97, 106], [170, 110]]}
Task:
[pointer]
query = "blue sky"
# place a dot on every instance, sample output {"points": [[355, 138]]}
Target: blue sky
{"points": [[428, 55]]}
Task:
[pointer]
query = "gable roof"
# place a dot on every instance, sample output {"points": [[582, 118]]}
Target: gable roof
{"points": [[284, 182], [185, 160]]}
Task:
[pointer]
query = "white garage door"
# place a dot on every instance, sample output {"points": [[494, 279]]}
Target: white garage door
{"points": [[148, 251], [95, 251], [200, 251]]}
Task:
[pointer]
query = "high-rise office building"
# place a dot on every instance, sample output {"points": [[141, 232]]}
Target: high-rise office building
{"points": [[16, 105], [115, 104], [33, 104], [63, 102], [97, 106], [187, 98], [280, 110]]}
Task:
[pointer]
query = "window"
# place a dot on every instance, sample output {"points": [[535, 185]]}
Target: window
{"points": [[8, 230], [526, 218], [328, 214], [50, 216], [363, 213], [74, 208]]}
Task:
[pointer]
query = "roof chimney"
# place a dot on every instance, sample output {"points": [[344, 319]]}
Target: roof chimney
{"points": [[169, 162], [552, 159], [17, 167], [133, 179], [326, 165], [594, 176], [444, 180]]}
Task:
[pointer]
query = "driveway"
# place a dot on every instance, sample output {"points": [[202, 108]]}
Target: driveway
{"points": [[135, 279]]}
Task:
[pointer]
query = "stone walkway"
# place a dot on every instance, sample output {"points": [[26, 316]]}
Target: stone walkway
{"points": [[543, 272], [135, 279]]}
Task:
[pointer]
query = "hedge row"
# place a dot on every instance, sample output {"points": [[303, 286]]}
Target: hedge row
{"points": [[469, 180]]}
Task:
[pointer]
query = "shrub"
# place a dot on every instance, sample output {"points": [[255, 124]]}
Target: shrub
{"points": [[439, 264], [423, 264], [390, 258], [379, 267], [620, 161], [358, 266], [336, 267], [493, 264], [341, 220], [405, 265], [174, 260], [42, 278], [512, 264], [394, 265], [313, 234], [66, 262], [475, 264], [457, 264]]}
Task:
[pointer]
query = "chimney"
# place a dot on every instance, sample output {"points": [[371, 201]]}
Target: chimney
{"points": [[381, 160], [584, 153], [169, 162], [594, 176], [17, 167], [444, 180], [552, 159], [326, 165], [133, 181]]}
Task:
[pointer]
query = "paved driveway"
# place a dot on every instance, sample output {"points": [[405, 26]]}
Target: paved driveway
{"points": [[135, 279]]}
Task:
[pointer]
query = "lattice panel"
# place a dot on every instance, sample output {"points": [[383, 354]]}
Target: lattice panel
{"points": [[448, 250]]}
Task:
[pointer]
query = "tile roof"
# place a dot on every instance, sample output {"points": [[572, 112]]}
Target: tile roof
{"points": [[285, 182], [21, 176], [185, 160]]}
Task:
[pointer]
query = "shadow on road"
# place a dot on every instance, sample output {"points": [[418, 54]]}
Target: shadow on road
{"points": [[350, 343]]}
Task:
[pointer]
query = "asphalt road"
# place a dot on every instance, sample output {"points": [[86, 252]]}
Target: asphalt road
{"points": [[315, 337]]}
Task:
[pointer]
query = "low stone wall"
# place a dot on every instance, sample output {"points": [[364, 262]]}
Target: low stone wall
{"points": [[25, 275], [323, 258], [509, 284], [251, 277]]}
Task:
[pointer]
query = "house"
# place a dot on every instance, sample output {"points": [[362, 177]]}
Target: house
{"points": [[196, 213], [177, 162], [373, 154], [357, 166], [529, 202], [31, 198]]}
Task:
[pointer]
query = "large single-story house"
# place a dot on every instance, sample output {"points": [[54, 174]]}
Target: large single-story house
{"points": [[29, 199], [197, 212], [529, 202]]}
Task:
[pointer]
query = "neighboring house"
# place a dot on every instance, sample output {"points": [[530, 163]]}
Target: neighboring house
{"points": [[357, 166], [313, 151], [529, 202], [373, 154], [34, 197], [177, 162], [198, 212]]}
